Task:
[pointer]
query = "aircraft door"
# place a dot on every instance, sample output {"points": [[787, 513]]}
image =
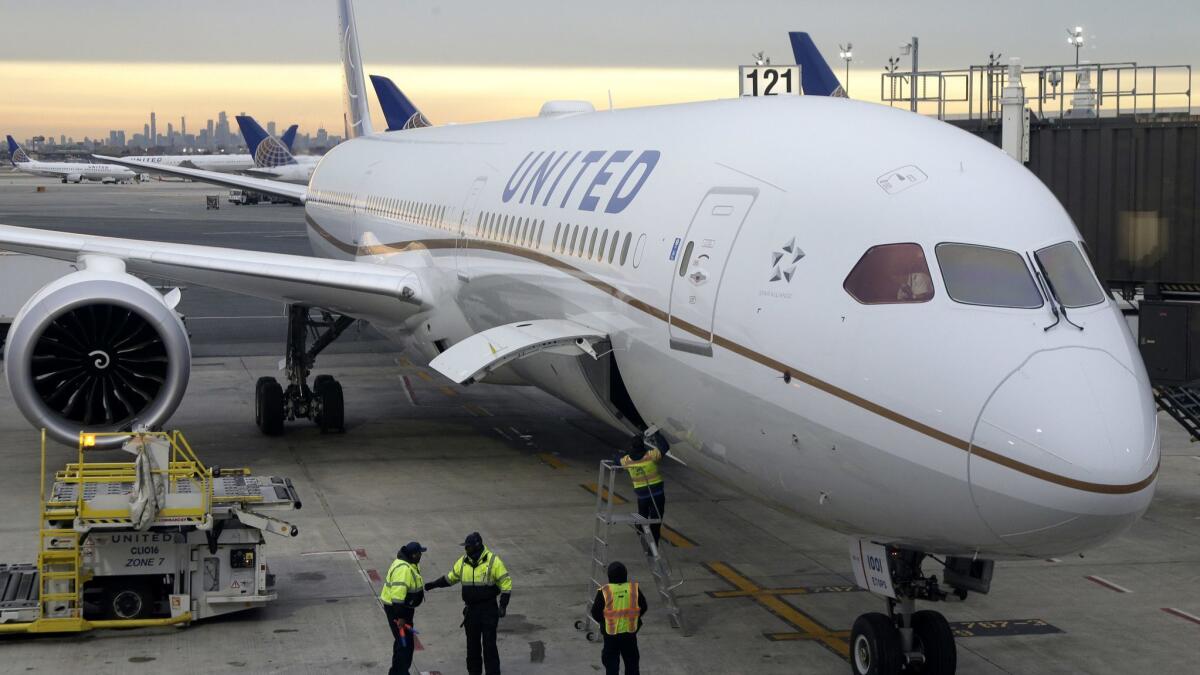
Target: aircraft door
{"points": [[700, 263], [467, 225]]}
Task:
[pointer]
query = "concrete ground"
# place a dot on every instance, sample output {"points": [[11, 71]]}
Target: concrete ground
{"points": [[425, 459]]}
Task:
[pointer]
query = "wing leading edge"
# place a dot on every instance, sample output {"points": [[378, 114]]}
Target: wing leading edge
{"points": [[291, 191], [382, 294]]}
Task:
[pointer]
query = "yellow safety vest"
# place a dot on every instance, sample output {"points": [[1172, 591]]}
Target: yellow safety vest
{"points": [[643, 472], [621, 610], [482, 580], [402, 578]]}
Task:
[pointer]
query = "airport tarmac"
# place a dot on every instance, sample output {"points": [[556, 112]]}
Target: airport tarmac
{"points": [[425, 459]]}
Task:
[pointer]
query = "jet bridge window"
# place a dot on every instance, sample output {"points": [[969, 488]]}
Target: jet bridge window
{"points": [[982, 275], [889, 274], [1072, 282]]}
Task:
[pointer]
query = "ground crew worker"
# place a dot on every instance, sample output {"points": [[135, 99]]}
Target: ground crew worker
{"points": [[642, 464], [484, 578], [403, 591], [619, 607]]}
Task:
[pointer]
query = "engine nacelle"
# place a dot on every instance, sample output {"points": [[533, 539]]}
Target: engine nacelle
{"points": [[98, 350]]}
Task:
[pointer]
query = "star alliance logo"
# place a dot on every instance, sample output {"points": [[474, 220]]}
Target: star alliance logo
{"points": [[783, 261]]}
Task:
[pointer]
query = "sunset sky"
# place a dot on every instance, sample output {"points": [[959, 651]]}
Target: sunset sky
{"points": [[82, 68]]}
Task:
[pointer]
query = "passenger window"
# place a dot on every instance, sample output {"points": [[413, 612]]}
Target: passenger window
{"points": [[582, 243], [541, 230], [891, 273], [1071, 281], [600, 251], [574, 237], [687, 256], [557, 229], [612, 251], [982, 275], [592, 243], [625, 247]]}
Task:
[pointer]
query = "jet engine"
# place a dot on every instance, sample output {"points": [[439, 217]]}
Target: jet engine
{"points": [[98, 350]]}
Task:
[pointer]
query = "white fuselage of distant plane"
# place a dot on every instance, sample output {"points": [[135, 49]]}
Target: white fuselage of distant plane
{"points": [[221, 163], [712, 242], [75, 172]]}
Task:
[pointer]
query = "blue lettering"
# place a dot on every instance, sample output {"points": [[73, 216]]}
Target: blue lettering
{"points": [[589, 201], [590, 158], [539, 177], [618, 202], [509, 188], [560, 175]]}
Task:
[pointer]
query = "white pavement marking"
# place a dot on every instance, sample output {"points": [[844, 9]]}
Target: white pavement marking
{"points": [[1182, 614], [1107, 584]]}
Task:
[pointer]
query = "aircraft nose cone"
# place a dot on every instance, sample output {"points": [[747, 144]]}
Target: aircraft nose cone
{"points": [[1065, 452]]}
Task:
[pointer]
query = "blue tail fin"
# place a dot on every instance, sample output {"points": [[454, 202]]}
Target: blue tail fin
{"points": [[289, 136], [15, 154], [815, 74], [266, 150], [399, 111]]}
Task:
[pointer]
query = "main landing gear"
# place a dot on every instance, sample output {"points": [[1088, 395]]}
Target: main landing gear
{"points": [[905, 640], [322, 403]]}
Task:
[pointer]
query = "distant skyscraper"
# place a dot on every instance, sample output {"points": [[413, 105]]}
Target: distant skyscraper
{"points": [[208, 138], [222, 128], [183, 126], [146, 135], [271, 128], [170, 134]]}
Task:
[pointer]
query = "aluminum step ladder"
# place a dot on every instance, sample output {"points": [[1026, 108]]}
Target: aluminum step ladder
{"points": [[1183, 404], [660, 567]]}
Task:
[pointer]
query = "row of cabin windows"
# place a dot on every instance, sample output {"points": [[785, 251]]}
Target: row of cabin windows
{"points": [[421, 213], [521, 231], [591, 243]]}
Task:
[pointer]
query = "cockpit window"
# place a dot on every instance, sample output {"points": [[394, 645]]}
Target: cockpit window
{"points": [[891, 273], [1070, 278], [982, 275]]}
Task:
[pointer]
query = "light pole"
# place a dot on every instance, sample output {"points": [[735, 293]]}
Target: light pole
{"points": [[1075, 39], [911, 49], [847, 55]]}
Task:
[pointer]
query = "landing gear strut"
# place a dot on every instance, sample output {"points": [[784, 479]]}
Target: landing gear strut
{"points": [[905, 640], [322, 403]]}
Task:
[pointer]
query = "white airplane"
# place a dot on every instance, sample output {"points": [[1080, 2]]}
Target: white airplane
{"points": [[234, 163], [272, 157], [69, 172], [798, 295]]}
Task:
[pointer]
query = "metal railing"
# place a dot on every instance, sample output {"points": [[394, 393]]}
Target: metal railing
{"points": [[1106, 89]]}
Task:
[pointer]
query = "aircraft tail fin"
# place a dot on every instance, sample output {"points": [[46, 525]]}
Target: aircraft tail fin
{"points": [[816, 76], [399, 111], [16, 154], [289, 136], [266, 150], [357, 111]]}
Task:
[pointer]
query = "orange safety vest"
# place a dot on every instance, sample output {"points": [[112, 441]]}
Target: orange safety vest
{"points": [[643, 472], [621, 610]]}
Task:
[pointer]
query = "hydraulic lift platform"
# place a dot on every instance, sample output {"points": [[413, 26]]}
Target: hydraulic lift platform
{"points": [[159, 540]]}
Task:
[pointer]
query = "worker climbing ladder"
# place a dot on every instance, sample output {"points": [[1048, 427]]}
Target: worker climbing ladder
{"points": [[605, 519]]}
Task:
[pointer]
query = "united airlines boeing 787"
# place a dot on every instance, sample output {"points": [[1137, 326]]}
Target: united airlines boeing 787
{"points": [[796, 294]]}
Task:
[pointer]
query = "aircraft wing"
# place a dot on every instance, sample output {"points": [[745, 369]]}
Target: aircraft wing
{"points": [[292, 191], [379, 293]]}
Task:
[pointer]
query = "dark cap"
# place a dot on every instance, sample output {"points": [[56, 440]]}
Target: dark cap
{"points": [[412, 547], [473, 539]]}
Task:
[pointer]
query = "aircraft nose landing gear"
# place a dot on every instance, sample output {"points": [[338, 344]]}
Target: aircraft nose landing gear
{"points": [[905, 640], [322, 403]]}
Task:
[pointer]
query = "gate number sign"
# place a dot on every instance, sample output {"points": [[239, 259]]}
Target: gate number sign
{"points": [[769, 80]]}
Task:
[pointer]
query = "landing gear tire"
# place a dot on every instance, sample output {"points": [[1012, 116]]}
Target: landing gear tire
{"points": [[319, 379], [875, 646], [933, 638], [268, 406], [331, 415], [128, 603], [591, 637]]}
